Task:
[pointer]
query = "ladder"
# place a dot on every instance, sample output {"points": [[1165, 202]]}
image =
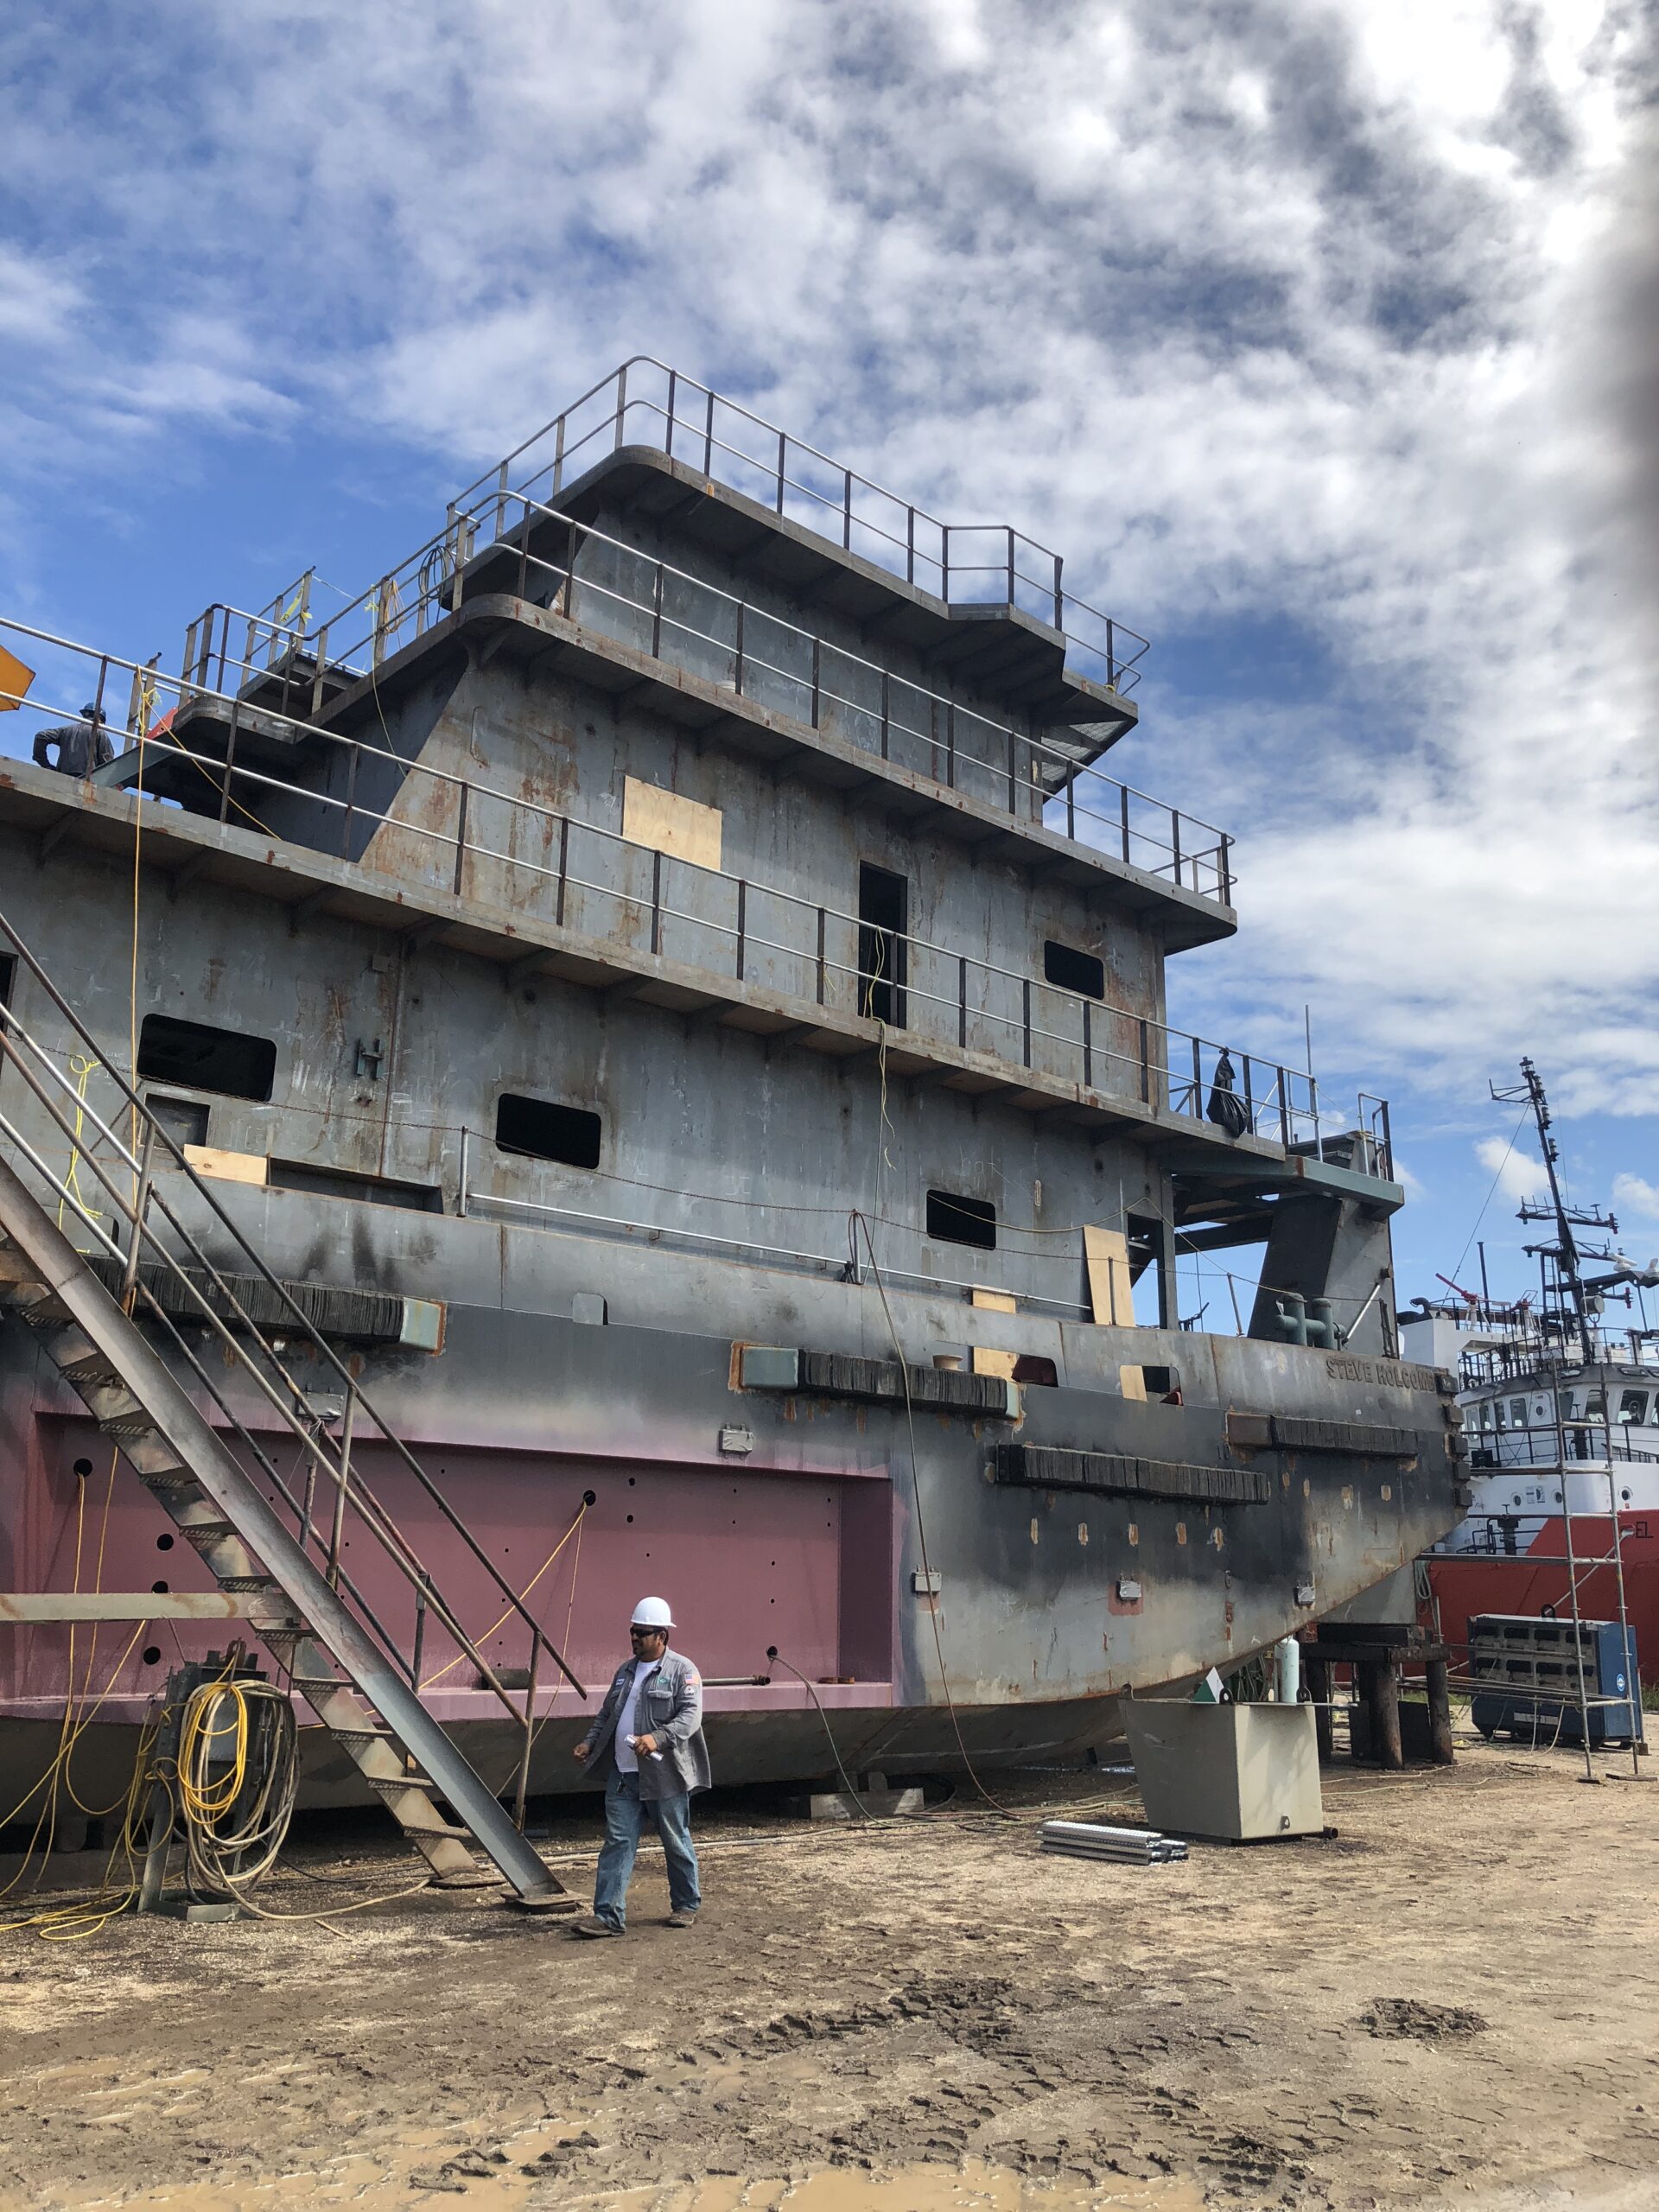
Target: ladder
{"points": [[308, 1611]]}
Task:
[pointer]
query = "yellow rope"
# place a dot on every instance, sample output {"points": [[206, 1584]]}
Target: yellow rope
{"points": [[582, 1515]]}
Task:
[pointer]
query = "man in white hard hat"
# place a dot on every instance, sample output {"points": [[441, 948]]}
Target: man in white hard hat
{"points": [[647, 1742]]}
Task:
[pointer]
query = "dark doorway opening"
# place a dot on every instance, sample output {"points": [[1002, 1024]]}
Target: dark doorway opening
{"points": [[883, 919]]}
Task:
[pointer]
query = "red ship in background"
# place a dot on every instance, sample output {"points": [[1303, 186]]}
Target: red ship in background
{"points": [[1561, 1409]]}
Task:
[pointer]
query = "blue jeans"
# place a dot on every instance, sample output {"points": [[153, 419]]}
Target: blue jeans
{"points": [[625, 1821]]}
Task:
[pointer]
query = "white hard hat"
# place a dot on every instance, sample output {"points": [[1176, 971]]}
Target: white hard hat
{"points": [[651, 1613]]}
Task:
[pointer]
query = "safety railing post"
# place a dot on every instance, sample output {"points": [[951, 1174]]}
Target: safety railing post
{"points": [[1225, 849], [822, 928], [783, 459], [465, 1176], [461, 836], [1014, 771], [709, 437], [1071, 806], [140, 1208], [1059, 596], [961, 1001], [847, 512], [668, 431], [656, 616], [501, 500], [1111, 657], [620, 438], [1175, 843], [1197, 1082], [951, 743], [230, 760], [417, 1647], [886, 714], [910, 545], [738, 678], [1284, 1109], [1146, 1061], [743, 925], [1123, 812], [817, 686], [521, 1795], [1088, 1048], [1025, 995], [656, 902], [558, 455], [565, 869], [944, 563], [570, 575], [343, 1480]]}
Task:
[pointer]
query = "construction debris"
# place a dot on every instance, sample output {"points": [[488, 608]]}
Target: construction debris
{"points": [[1131, 1846]]}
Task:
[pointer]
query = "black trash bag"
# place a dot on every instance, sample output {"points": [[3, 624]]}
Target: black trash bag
{"points": [[1226, 1109]]}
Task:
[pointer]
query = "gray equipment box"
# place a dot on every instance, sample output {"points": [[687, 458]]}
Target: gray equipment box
{"points": [[1238, 1773]]}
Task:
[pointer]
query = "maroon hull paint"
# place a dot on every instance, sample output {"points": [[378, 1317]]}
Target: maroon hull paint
{"points": [[1465, 1584], [747, 1559]]}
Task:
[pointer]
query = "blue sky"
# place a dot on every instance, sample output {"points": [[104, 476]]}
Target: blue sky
{"points": [[1318, 338]]}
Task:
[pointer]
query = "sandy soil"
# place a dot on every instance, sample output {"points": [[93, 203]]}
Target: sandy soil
{"points": [[1451, 2003]]}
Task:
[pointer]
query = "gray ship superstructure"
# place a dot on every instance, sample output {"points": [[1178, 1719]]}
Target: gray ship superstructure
{"points": [[665, 981]]}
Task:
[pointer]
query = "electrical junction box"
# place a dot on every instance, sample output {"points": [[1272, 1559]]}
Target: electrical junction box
{"points": [[1236, 1773]]}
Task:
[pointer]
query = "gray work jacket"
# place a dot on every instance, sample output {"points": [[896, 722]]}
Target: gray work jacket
{"points": [[670, 1709]]}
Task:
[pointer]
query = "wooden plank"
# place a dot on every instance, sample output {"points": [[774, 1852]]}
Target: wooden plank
{"points": [[988, 1361], [664, 823], [14, 680], [227, 1167], [1111, 1293], [993, 1301], [36, 1608], [1132, 1381]]}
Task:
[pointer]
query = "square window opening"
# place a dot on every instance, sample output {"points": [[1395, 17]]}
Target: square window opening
{"points": [[955, 1219], [223, 1061], [185, 1120], [541, 1128], [1073, 971]]}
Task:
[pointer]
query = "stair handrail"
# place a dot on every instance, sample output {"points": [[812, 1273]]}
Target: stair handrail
{"points": [[369, 1509], [301, 1320]]}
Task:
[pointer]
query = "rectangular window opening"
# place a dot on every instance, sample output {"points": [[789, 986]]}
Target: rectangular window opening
{"points": [[540, 1128], [955, 1219], [345, 1182], [224, 1060], [883, 920], [1073, 971]]}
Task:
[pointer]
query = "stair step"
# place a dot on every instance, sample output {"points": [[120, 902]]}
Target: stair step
{"points": [[387, 1784], [207, 1532], [179, 1478], [247, 1582], [133, 1424]]}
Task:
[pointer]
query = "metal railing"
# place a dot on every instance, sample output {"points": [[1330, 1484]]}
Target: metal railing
{"points": [[336, 1497], [464, 837], [646, 403], [651, 607]]}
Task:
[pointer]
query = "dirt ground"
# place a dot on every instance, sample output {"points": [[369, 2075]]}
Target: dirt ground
{"points": [[1452, 2002]]}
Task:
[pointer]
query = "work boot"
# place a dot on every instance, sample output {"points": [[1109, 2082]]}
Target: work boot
{"points": [[681, 1918], [592, 1925]]}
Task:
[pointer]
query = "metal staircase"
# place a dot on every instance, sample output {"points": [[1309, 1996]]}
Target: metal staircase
{"points": [[282, 1559]]}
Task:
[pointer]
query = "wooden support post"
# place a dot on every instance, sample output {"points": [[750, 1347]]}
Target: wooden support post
{"points": [[1437, 1680], [1383, 1686]]}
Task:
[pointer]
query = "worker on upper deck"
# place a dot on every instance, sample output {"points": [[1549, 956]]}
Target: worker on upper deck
{"points": [[646, 1740], [82, 746]]}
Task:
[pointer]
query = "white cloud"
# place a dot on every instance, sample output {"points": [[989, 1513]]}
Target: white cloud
{"points": [[1515, 1174], [1636, 1196]]}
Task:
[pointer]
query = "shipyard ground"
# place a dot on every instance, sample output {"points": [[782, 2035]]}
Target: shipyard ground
{"points": [[1451, 2003]]}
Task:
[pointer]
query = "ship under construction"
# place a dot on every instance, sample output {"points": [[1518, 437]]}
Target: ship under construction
{"points": [[634, 1056]]}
